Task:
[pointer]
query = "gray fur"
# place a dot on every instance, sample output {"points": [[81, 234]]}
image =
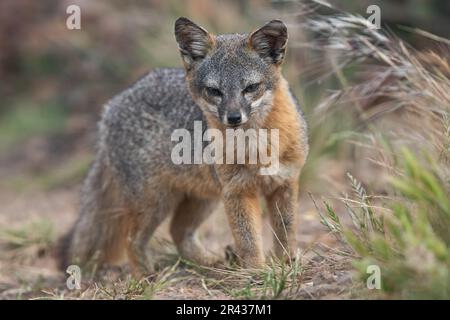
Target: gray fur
{"points": [[133, 169]]}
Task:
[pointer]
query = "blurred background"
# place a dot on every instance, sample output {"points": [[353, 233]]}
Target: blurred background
{"points": [[54, 82]]}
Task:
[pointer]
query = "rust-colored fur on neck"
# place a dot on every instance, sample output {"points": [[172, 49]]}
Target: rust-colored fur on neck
{"points": [[284, 117]]}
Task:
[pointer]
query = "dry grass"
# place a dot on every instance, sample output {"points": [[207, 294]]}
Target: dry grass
{"points": [[402, 101]]}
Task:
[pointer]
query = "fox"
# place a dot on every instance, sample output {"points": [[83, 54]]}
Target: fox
{"points": [[227, 81]]}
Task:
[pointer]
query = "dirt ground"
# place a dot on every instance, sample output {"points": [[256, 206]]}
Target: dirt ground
{"points": [[39, 196], [28, 270]]}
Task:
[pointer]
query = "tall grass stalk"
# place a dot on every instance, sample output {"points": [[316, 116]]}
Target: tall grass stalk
{"points": [[401, 97]]}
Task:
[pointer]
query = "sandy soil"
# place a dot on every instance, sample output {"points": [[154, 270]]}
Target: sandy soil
{"points": [[30, 271]]}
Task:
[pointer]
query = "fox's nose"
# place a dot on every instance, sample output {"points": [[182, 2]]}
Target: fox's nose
{"points": [[234, 118]]}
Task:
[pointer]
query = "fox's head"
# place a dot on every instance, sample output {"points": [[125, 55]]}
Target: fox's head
{"points": [[232, 77]]}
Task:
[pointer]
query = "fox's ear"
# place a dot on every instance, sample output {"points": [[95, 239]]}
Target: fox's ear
{"points": [[270, 41], [194, 42]]}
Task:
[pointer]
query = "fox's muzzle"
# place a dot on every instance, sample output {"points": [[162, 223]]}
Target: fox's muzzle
{"points": [[234, 118]]}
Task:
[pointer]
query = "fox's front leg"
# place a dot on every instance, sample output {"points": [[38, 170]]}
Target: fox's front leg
{"points": [[244, 215], [282, 206]]}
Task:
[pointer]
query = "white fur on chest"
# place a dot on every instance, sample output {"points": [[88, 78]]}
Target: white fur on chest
{"points": [[284, 173]]}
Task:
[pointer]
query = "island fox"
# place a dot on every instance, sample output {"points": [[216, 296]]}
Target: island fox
{"points": [[228, 81]]}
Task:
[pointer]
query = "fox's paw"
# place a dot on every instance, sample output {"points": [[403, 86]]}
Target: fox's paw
{"points": [[207, 259], [143, 270], [249, 261], [199, 255], [231, 256]]}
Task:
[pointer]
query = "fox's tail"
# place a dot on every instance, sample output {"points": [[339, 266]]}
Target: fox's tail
{"points": [[99, 234]]}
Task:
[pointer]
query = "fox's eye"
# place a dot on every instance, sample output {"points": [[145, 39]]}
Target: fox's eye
{"points": [[213, 92], [252, 88]]}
